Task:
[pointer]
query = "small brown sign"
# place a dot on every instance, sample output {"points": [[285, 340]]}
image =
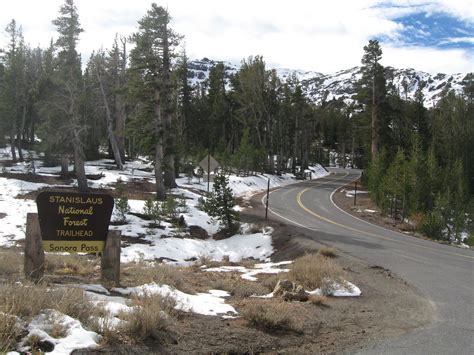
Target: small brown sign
{"points": [[74, 222]]}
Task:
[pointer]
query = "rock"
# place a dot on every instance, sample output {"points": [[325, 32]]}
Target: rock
{"points": [[197, 232], [290, 291]]}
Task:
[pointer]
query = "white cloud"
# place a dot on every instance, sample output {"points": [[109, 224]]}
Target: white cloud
{"points": [[323, 36]]}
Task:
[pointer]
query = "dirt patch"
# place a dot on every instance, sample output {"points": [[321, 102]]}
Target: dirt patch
{"points": [[43, 179]]}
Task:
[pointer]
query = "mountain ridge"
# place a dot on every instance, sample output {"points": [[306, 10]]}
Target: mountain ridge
{"points": [[341, 85]]}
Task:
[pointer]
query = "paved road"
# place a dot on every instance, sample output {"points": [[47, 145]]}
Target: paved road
{"points": [[442, 273]]}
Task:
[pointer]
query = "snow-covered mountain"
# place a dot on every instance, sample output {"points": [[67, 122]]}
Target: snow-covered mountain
{"points": [[341, 85]]}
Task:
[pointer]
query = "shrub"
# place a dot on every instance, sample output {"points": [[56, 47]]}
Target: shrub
{"points": [[269, 315], [73, 264], [146, 319], [170, 207], [219, 204], [9, 331], [432, 225], [328, 252], [28, 301], [11, 265], [152, 209], [122, 208], [318, 300], [244, 289], [315, 271]]}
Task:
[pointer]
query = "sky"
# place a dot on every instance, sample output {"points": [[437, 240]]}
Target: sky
{"points": [[314, 35]]}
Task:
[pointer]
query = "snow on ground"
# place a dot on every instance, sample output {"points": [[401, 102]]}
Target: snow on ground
{"points": [[211, 303], [15, 210], [164, 242], [76, 336], [351, 193], [344, 289], [249, 274]]}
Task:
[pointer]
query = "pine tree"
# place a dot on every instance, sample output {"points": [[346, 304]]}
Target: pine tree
{"points": [[372, 72], [13, 90], [65, 126], [150, 85], [220, 203]]}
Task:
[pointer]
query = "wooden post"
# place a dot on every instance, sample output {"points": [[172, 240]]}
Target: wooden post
{"points": [[110, 262], [34, 253], [208, 170], [355, 193]]}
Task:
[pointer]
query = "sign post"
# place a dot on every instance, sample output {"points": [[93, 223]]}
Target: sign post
{"points": [[74, 222], [209, 164], [355, 193], [268, 197]]}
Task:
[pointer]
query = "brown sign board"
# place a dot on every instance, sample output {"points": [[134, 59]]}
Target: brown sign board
{"points": [[74, 222]]}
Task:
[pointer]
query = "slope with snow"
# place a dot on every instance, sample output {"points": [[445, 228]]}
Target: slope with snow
{"points": [[342, 84]]}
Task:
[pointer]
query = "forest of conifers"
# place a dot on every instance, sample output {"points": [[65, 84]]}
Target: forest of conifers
{"points": [[134, 99]]}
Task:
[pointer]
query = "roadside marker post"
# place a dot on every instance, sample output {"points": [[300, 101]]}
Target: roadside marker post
{"points": [[268, 196], [355, 193]]}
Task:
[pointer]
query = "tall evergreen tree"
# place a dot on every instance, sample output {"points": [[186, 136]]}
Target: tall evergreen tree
{"points": [[151, 86], [372, 73], [65, 125]]}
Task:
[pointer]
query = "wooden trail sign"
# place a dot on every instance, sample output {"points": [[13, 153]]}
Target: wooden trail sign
{"points": [[74, 222]]}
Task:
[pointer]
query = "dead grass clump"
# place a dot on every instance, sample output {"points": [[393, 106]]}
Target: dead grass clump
{"points": [[315, 271], [140, 273], [318, 300], [28, 301], [82, 265], [328, 252], [269, 281], [147, 319], [9, 331], [244, 289], [268, 315], [11, 266]]}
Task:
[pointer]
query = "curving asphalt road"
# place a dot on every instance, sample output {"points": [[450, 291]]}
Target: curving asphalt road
{"points": [[442, 273]]}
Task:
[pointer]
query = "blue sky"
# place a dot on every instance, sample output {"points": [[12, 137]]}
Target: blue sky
{"points": [[433, 30], [319, 35]]}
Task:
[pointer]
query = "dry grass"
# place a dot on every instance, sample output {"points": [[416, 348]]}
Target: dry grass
{"points": [[9, 331], [244, 289], [328, 252], [11, 265], [269, 281], [268, 314], [317, 300], [140, 273], [147, 319], [78, 265], [28, 301], [315, 271]]}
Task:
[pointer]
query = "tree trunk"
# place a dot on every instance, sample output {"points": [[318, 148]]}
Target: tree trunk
{"points": [[12, 142], [170, 136], [79, 164], [64, 166], [120, 118], [20, 133], [160, 187], [375, 138], [344, 154], [109, 125], [352, 151]]}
